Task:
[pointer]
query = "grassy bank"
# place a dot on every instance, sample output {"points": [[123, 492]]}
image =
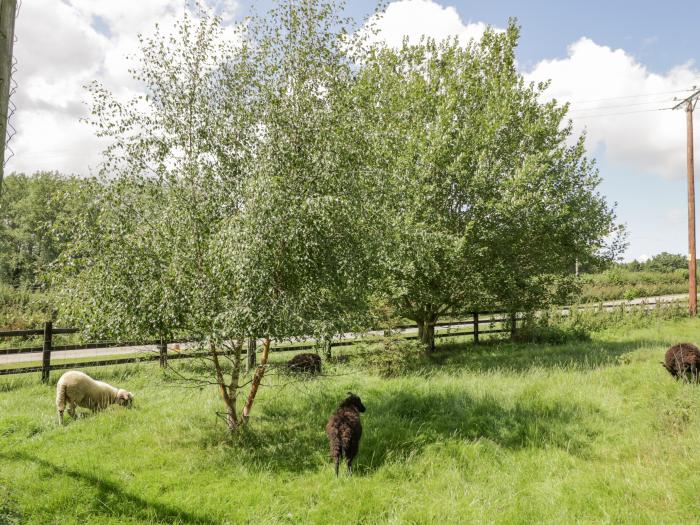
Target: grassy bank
{"points": [[500, 433]]}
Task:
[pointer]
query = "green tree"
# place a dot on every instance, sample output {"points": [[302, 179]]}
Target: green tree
{"points": [[236, 206], [173, 175], [665, 262], [37, 214], [491, 202]]}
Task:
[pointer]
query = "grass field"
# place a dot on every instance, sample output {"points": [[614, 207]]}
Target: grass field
{"points": [[499, 433]]}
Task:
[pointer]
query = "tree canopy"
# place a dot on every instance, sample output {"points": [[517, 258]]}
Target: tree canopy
{"points": [[275, 184], [492, 198]]}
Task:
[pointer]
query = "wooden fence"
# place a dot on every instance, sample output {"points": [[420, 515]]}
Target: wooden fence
{"points": [[48, 349]]}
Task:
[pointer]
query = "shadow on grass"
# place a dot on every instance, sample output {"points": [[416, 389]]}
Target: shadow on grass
{"points": [[112, 494], [289, 434], [398, 424]]}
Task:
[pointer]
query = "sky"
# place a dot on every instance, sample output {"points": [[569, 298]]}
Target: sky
{"points": [[619, 64]]}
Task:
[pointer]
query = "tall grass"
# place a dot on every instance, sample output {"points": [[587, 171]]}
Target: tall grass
{"points": [[584, 432], [625, 284]]}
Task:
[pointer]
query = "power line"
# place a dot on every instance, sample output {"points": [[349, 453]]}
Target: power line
{"points": [[632, 96], [619, 113], [660, 101]]}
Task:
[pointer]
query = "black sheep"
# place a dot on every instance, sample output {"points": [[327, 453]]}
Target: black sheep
{"points": [[683, 360], [345, 430], [305, 363]]}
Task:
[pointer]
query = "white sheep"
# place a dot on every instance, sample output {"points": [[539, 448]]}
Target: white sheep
{"points": [[79, 389]]}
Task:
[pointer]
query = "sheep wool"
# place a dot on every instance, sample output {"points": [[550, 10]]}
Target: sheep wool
{"points": [[344, 431], [683, 361], [76, 388], [305, 363]]}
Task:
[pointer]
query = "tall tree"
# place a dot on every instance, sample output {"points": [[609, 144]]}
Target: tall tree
{"points": [[173, 178], [491, 201], [237, 205]]}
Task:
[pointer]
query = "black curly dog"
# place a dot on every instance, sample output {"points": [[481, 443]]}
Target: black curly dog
{"points": [[345, 430]]}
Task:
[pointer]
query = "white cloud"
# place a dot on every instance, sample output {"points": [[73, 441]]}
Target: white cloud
{"points": [[415, 18], [63, 45], [598, 81], [676, 217]]}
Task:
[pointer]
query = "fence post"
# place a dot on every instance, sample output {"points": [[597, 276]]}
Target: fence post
{"points": [[250, 354], [46, 353], [513, 326], [163, 353], [476, 327]]}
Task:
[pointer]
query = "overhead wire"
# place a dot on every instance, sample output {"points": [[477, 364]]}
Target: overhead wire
{"points": [[664, 104], [639, 95], [614, 106], [578, 117]]}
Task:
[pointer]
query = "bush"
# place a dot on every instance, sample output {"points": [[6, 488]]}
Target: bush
{"points": [[22, 308], [554, 335], [394, 357]]}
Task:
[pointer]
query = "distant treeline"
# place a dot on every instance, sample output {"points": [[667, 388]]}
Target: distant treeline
{"points": [[37, 221], [663, 274]]}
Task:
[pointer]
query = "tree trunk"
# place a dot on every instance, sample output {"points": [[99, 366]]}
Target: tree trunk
{"points": [[429, 336], [250, 355], [257, 378], [229, 401], [426, 332]]}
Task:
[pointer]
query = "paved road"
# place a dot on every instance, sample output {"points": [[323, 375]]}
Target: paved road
{"points": [[101, 352]]}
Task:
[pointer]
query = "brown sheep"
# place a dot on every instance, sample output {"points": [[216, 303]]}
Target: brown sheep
{"points": [[683, 360], [305, 363], [344, 431]]}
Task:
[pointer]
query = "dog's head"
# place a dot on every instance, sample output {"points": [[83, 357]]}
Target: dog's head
{"points": [[354, 401]]}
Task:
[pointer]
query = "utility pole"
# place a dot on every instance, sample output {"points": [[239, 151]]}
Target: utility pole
{"points": [[689, 103], [8, 13]]}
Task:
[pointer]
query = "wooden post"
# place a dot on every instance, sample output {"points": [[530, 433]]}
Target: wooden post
{"points": [[689, 104], [8, 12], [163, 353], [251, 358], [476, 327], [46, 353], [692, 267], [513, 321]]}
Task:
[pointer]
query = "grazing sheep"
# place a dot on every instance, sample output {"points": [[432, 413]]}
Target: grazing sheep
{"points": [[345, 430], [683, 360], [78, 389], [305, 363]]}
